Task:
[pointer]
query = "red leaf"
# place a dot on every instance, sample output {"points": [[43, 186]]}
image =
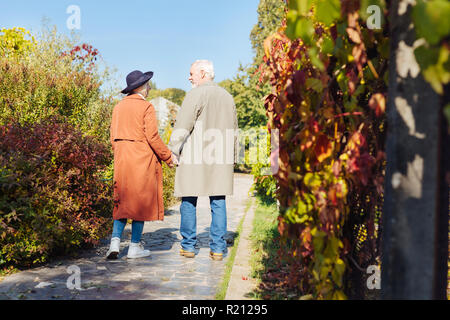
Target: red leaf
{"points": [[378, 103], [323, 148]]}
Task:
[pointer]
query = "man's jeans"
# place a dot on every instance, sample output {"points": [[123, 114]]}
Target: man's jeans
{"points": [[188, 228]]}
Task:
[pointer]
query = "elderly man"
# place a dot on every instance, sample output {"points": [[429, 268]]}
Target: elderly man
{"points": [[204, 142]]}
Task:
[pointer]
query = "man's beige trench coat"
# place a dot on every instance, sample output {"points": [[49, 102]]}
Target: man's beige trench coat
{"points": [[138, 152], [205, 140]]}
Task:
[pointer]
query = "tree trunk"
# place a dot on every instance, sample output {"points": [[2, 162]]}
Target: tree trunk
{"points": [[415, 215]]}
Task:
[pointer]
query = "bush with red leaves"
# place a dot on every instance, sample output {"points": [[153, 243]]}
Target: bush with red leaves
{"points": [[53, 193]]}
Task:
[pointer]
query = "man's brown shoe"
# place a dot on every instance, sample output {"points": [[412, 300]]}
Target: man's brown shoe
{"points": [[216, 256], [187, 254]]}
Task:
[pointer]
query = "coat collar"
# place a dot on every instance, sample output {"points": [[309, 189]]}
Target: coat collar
{"points": [[135, 96], [208, 83]]}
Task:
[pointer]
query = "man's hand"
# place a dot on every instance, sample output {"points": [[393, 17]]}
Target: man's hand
{"points": [[175, 161]]}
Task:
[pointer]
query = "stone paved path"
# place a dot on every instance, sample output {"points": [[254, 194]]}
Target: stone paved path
{"points": [[165, 275]]}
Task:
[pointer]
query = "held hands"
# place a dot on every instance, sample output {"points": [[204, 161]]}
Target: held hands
{"points": [[175, 161]]}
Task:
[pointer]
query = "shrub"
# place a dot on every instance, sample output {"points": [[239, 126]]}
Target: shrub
{"points": [[265, 184], [168, 187], [52, 76], [168, 174], [54, 195], [16, 42]]}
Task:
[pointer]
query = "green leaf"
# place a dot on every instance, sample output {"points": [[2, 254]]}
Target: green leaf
{"points": [[299, 27], [339, 266], [342, 80], [303, 210], [315, 60], [327, 45], [302, 6], [359, 90], [337, 278], [351, 105], [384, 48], [327, 11], [318, 240], [426, 56], [304, 29], [312, 180], [431, 20], [315, 84], [447, 113], [325, 270], [291, 21], [332, 249], [439, 73], [339, 295]]}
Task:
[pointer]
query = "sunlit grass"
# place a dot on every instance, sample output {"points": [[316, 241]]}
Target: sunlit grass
{"points": [[223, 287], [264, 243]]}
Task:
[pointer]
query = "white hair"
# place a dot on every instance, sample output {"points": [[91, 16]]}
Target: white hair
{"points": [[206, 66]]}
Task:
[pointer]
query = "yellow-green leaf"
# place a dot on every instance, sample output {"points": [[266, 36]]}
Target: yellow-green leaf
{"points": [[327, 11], [315, 84]]}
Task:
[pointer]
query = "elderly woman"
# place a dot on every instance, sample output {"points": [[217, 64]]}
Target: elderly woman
{"points": [[138, 152]]}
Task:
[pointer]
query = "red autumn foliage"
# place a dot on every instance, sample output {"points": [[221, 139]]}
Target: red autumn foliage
{"points": [[331, 150], [54, 196]]}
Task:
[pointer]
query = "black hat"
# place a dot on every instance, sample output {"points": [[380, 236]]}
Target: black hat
{"points": [[136, 79]]}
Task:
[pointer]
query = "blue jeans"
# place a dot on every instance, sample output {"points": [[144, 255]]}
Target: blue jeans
{"points": [[136, 229], [218, 229]]}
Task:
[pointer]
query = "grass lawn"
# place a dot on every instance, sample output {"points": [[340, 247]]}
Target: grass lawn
{"points": [[268, 263]]}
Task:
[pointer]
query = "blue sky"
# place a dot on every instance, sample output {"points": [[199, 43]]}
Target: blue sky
{"points": [[160, 36]]}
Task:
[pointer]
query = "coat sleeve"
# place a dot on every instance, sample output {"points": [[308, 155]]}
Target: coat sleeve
{"points": [[236, 134], [186, 118], [152, 135], [111, 133]]}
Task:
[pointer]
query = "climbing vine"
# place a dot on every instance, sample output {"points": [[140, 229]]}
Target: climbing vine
{"points": [[328, 73]]}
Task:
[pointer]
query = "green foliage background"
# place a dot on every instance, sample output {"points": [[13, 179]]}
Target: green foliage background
{"points": [[172, 94], [249, 92], [245, 87]]}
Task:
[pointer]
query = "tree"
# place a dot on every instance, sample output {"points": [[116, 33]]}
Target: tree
{"points": [[245, 87], [270, 15], [173, 94], [249, 106], [415, 215]]}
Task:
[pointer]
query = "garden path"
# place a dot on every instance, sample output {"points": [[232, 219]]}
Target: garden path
{"points": [[165, 275]]}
